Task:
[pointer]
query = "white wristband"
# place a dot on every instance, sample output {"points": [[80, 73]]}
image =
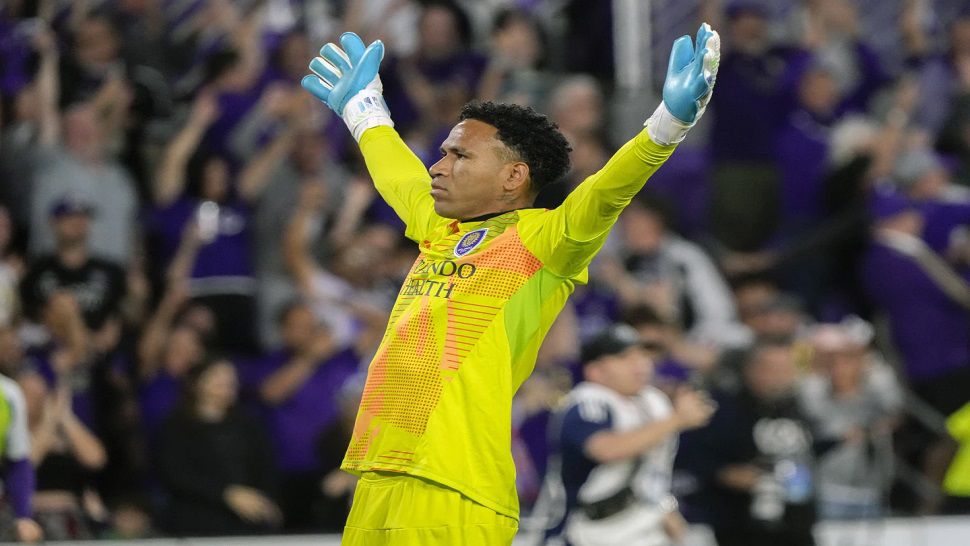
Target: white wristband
{"points": [[365, 110], [664, 128]]}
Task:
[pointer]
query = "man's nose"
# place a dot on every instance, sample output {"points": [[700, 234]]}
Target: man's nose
{"points": [[440, 167]]}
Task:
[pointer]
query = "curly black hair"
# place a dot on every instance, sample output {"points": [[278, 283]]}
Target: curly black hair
{"points": [[528, 134]]}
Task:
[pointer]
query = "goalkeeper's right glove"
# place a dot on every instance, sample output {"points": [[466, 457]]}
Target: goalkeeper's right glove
{"points": [[347, 81]]}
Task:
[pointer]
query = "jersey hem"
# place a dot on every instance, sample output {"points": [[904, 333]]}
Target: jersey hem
{"points": [[484, 500]]}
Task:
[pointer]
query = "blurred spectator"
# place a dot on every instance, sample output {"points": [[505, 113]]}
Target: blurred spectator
{"points": [[66, 454], [771, 316], [576, 105], [298, 385], [928, 308], [924, 299], [853, 401], [392, 21], [290, 166], [83, 170], [63, 349], [677, 360], [215, 461], [921, 176], [204, 225], [166, 353], [674, 276], [11, 269], [615, 440], [942, 73], [802, 147], [514, 72], [755, 94], [17, 479], [831, 30], [753, 462], [344, 295], [30, 125], [97, 285], [425, 91]]}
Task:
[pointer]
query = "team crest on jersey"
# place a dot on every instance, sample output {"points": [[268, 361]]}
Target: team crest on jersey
{"points": [[469, 241]]}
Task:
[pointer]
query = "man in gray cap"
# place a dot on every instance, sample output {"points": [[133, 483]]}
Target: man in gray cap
{"points": [[615, 442]]}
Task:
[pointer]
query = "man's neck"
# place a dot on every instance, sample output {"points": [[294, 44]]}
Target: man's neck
{"points": [[73, 256], [496, 211]]}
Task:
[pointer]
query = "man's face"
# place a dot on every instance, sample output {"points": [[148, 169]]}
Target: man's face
{"points": [[627, 372], [298, 327], [467, 180], [72, 229], [772, 373], [642, 229], [846, 368]]}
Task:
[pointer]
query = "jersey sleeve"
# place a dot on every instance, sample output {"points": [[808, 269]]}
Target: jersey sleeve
{"points": [[958, 424], [583, 420], [566, 239], [401, 179], [18, 436]]}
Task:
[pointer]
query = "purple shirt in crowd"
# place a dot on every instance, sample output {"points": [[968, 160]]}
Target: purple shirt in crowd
{"points": [[80, 381], [156, 400], [296, 423], [931, 331], [801, 150], [228, 255], [754, 97], [941, 220]]}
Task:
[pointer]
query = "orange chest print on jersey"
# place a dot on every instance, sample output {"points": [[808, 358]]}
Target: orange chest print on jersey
{"points": [[451, 297]]}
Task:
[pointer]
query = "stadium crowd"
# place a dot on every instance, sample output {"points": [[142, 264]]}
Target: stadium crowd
{"points": [[195, 268]]}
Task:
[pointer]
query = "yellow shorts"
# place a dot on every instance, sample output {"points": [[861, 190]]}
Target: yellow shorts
{"points": [[402, 510]]}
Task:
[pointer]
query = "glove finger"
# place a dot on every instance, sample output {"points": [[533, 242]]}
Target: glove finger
{"points": [[712, 59], [680, 55], [703, 33], [316, 87], [369, 65], [353, 46], [336, 56], [325, 70], [697, 64], [698, 84]]}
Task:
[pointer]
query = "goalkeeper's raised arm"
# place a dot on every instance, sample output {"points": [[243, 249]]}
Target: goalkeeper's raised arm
{"points": [[593, 208], [346, 79]]}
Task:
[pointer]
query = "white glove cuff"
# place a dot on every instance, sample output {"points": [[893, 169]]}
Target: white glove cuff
{"points": [[664, 128], [365, 110]]}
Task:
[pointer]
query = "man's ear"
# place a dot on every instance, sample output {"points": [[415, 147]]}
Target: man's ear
{"points": [[518, 178]]}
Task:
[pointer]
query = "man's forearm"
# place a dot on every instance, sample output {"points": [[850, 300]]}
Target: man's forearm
{"points": [[595, 205], [19, 484], [611, 446]]}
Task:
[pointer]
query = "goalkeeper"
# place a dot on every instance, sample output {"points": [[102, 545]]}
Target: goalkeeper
{"points": [[432, 440]]}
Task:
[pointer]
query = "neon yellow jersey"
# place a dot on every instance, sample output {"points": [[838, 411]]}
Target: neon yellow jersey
{"points": [[466, 327], [957, 480]]}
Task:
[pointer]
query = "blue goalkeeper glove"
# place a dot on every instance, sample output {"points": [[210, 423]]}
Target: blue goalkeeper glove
{"points": [[691, 72], [347, 81]]}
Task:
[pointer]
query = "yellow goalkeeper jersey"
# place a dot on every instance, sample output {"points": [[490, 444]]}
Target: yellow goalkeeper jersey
{"points": [[468, 321]]}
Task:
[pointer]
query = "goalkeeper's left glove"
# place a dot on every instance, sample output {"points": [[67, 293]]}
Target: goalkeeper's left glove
{"points": [[347, 81], [691, 72]]}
